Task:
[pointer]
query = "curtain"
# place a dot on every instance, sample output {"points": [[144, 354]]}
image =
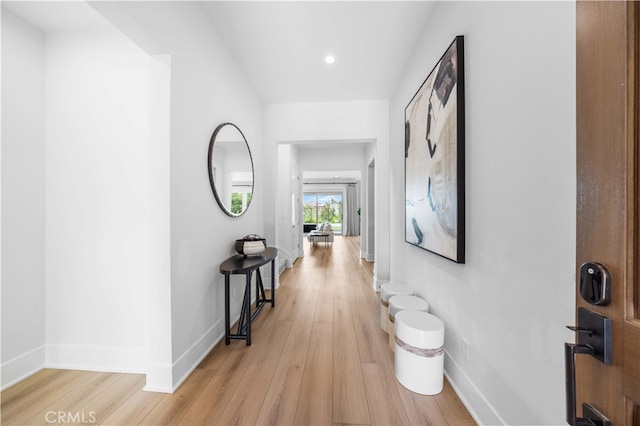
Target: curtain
{"points": [[352, 222]]}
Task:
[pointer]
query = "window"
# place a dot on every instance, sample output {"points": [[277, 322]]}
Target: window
{"points": [[319, 207], [240, 200]]}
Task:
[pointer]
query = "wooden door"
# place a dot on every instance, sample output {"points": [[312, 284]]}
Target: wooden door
{"points": [[608, 199]]}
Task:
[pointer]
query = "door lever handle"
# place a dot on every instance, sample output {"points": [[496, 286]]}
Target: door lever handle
{"points": [[570, 350], [583, 330], [591, 416], [594, 338]]}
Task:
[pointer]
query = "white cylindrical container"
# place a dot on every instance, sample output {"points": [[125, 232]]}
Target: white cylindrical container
{"points": [[419, 357], [389, 290], [399, 303]]}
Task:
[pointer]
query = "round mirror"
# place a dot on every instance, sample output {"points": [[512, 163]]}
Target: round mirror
{"points": [[230, 169]]}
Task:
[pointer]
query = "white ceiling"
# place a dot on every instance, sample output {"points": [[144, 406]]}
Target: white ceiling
{"points": [[57, 15], [281, 45]]}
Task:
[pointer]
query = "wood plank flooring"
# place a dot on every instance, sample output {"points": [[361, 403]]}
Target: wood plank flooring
{"points": [[318, 358]]}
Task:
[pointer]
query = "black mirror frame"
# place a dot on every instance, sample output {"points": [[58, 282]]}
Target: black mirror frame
{"points": [[224, 208]]}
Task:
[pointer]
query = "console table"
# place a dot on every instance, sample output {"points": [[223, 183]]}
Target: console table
{"points": [[240, 264]]}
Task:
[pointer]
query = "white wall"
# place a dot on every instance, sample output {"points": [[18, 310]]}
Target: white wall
{"points": [[23, 207], [125, 156], [515, 294], [354, 121], [295, 199], [97, 200], [330, 157], [207, 89], [75, 190], [367, 248], [288, 241], [160, 337]]}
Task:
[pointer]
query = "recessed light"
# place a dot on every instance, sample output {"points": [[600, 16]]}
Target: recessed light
{"points": [[329, 59]]}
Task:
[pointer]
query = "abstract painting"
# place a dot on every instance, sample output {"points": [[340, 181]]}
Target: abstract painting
{"points": [[434, 159]]}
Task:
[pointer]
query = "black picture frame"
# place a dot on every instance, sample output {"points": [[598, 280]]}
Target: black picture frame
{"points": [[434, 177]]}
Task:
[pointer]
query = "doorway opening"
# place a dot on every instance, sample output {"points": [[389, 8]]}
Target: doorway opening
{"points": [[322, 207]]}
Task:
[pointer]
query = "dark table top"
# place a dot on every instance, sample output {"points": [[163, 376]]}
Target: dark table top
{"points": [[240, 264]]}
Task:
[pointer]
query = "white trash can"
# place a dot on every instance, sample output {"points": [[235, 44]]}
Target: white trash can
{"points": [[419, 356], [389, 290], [402, 302]]}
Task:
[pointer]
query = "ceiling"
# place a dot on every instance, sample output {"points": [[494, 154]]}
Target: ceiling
{"points": [[57, 15], [280, 45]]}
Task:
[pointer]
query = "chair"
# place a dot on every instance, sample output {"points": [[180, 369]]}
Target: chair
{"points": [[323, 233]]}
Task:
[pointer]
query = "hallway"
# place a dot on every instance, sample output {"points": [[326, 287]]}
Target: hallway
{"points": [[318, 357]]}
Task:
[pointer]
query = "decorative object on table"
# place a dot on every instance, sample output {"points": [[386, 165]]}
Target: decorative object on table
{"points": [[251, 245], [230, 169], [434, 159]]}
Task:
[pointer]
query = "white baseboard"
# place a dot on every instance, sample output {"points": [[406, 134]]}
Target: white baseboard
{"points": [[74, 357], [114, 359], [377, 284], [367, 256], [479, 408], [21, 367], [193, 356], [159, 378]]}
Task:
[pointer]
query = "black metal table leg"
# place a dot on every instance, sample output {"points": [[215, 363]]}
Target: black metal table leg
{"points": [[247, 301], [227, 316], [273, 283], [257, 288], [243, 310], [261, 296]]}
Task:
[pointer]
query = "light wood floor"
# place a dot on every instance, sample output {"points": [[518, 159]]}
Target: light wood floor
{"points": [[319, 357]]}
